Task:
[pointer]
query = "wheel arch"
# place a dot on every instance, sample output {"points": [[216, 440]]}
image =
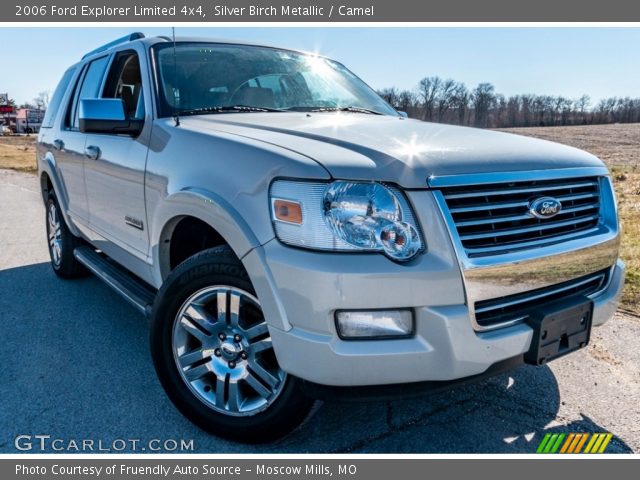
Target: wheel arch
{"points": [[50, 182], [232, 229], [201, 211]]}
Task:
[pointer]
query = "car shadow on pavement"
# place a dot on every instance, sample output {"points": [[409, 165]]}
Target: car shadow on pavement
{"points": [[80, 368]]}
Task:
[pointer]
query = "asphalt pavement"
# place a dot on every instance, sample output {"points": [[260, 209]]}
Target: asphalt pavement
{"points": [[75, 366]]}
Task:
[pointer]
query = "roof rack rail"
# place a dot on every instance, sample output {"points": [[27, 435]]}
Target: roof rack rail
{"points": [[107, 46]]}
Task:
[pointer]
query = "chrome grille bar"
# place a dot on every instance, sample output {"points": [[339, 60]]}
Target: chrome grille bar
{"points": [[507, 311], [494, 218]]}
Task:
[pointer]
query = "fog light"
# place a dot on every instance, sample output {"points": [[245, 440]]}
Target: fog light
{"points": [[374, 324]]}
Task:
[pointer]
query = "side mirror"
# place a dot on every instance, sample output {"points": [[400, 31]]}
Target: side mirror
{"points": [[403, 114], [107, 115]]}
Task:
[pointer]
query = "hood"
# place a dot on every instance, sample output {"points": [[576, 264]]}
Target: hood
{"points": [[359, 146]]}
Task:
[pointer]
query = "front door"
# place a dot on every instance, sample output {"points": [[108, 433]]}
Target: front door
{"points": [[115, 165]]}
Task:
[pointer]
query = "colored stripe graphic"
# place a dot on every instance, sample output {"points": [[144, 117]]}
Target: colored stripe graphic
{"points": [[582, 442], [574, 442], [594, 439], [543, 443], [568, 443], [550, 443], [605, 442], [556, 445], [596, 446]]}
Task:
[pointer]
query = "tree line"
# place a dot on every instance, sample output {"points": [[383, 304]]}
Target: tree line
{"points": [[447, 101]]}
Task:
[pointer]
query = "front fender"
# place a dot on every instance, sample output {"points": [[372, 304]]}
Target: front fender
{"points": [[206, 206]]}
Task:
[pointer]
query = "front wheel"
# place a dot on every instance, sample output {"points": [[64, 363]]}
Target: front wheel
{"points": [[212, 351]]}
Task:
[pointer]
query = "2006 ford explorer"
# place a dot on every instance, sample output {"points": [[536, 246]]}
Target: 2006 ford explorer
{"points": [[291, 236]]}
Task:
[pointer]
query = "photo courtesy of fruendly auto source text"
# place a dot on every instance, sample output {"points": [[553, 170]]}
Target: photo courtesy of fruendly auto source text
{"points": [[303, 239]]}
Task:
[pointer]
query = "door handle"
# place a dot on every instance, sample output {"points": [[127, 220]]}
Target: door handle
{"points": [[92, 152], [58, 144]]}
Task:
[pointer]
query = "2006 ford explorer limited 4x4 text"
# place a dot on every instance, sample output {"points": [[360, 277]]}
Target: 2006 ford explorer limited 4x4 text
{"points": [[291, 236]]}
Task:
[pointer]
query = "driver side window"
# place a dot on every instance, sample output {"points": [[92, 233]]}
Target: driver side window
{"points": [[125, 82]]}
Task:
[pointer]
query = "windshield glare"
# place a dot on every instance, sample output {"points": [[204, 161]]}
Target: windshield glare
{"points": [[204, 76]]}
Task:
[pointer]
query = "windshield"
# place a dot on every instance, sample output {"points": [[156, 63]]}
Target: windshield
{"points": [[203, 77]]}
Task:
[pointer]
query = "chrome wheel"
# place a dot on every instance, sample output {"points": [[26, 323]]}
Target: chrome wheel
{"points": [[223, 351], [54, 233]]}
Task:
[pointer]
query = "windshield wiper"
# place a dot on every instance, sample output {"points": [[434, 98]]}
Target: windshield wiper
{"points": [[346, 109], [228, 108]]}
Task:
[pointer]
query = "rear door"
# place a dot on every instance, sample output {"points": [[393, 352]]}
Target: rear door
{"points": [[115, 164]]}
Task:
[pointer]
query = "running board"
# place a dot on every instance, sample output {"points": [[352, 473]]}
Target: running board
{"points": [[136, 292]]}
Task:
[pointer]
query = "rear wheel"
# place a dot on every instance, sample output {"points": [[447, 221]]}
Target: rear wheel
{"points": [[213, 353], [61, 243]]}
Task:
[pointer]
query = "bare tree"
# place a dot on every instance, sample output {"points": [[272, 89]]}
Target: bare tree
{"points": [[391, 95], [429, 88], [483, 100], [444, 98], [448, 101], [41, 101]]}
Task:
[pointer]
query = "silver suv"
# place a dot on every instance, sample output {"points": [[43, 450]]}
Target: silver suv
{"points": [[291, 236]]}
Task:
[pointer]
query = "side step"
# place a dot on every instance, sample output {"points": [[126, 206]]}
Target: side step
{"points": [[135, 291]]}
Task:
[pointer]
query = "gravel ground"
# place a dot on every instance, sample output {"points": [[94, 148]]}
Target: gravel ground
{"points": [[76, 366]]}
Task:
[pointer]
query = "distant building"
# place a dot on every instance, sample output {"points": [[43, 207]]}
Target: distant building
{"points": [[29, 120]]}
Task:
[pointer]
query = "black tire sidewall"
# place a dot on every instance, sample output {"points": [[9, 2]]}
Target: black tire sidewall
{"points": [[68, 266], [215, 267]]}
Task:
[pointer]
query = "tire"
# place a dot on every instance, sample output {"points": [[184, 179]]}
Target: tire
{"points": [[213, 355], [61, 243]]}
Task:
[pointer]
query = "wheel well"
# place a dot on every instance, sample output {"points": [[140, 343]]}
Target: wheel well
{"points": [[189, 236], [46, 186]]}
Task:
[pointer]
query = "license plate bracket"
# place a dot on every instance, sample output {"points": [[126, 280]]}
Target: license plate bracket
{"points": [[559, 328]]}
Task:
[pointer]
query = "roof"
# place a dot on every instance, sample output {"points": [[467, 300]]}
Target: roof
{"points": [[139, 37]]}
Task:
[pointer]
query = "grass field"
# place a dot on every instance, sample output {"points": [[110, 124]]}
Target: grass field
{"points": [[617, 145], [18, 153]]}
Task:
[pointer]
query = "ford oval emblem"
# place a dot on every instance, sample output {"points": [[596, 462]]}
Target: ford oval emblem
{"points": [[545, 207]]}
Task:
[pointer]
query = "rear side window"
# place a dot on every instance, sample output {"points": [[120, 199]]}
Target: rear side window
{"points": [[54, 104], [90, 88]]}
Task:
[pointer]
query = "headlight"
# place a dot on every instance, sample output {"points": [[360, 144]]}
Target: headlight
{"points": [[345, 216]]}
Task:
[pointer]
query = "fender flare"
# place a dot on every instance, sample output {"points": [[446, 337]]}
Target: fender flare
{"points": [[220, 215], [49, 167], [206, 206]]}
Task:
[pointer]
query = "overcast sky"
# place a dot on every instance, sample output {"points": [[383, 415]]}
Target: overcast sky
{"points": [[600, 62]]}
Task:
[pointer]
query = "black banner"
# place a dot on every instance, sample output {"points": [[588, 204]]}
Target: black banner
{"points": [[173, 11]]}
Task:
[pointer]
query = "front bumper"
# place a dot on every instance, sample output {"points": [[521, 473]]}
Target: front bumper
{"points": [[300, 290], [445, 347]]}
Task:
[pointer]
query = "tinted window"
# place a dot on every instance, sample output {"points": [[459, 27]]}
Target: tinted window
{"points": [[54, 104], [90, 88], [198, 76], [125, 82]]}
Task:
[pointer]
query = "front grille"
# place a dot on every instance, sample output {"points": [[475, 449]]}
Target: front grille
{"points": [[494, 218], [504, 311]]}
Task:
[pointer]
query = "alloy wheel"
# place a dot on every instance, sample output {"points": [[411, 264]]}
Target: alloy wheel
{"points": [[223, 351]]}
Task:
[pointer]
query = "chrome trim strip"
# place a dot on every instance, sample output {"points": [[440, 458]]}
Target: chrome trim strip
{"points": [[547, 293], [517, 231], [512, 218], [514, 321], [535, 243], [523, 176], [492, 193], [492, 206], [498, 205]]}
